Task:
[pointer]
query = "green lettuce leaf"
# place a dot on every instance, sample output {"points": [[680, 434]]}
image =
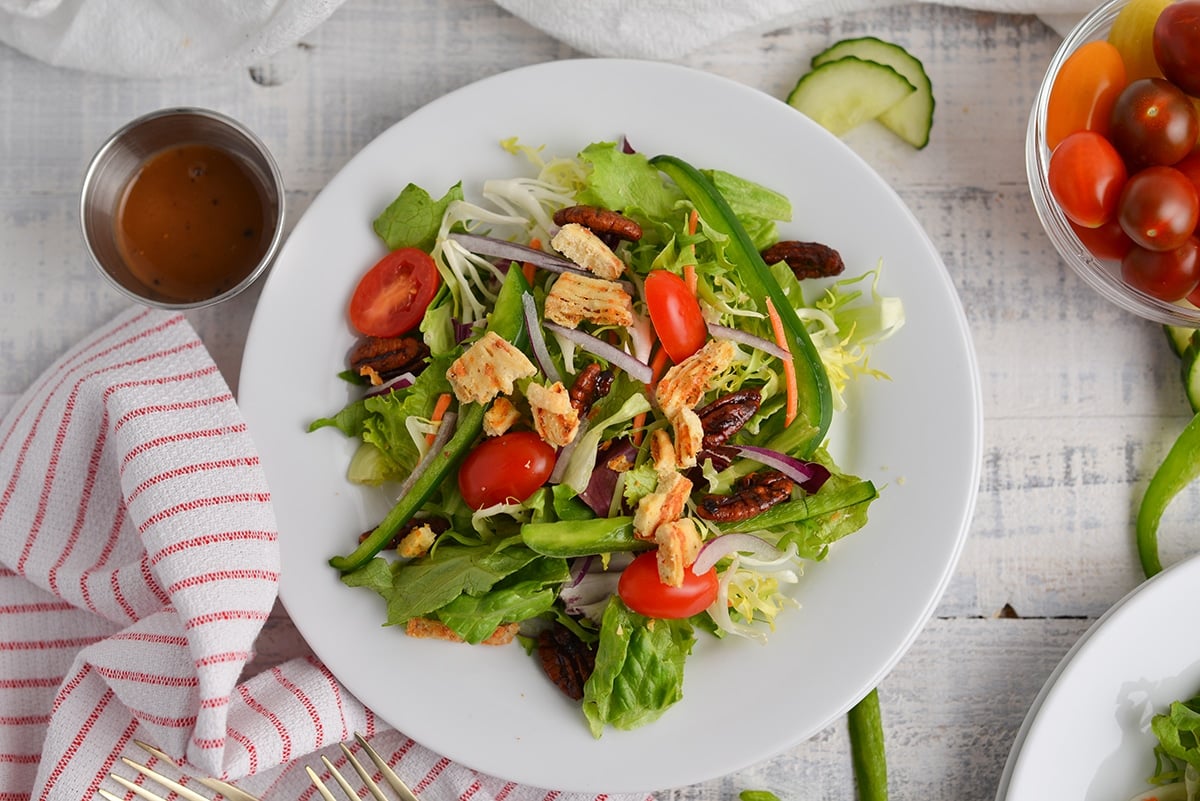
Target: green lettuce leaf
{"points": [[639, 669], [413, 218], [626, 182], [529, 592]]}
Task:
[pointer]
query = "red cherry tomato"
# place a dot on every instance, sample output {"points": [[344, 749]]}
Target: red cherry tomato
{"points": [[1158, 208], [1153, 122], [1177, 45], [1190, 166], [1165, 274], [1107, 241], [1086, 175], [675, 314], [1084, 92], [391, 298], [508, 468], [642, 591]]}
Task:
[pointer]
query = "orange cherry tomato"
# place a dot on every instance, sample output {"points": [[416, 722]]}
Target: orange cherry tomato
{"points": [[1084, 92], [643, 592], [391, 298]]}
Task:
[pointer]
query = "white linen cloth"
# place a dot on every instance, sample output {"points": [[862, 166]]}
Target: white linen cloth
{"points": [[175, 37], [138, 564]]}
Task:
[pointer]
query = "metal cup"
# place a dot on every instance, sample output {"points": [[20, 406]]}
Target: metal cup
{"points": [[118, 161]]}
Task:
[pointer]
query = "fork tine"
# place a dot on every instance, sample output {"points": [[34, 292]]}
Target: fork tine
{"points": [[318, 784], [137, 789], [183, 792], [340, 779], [388, 774], [363, 774], [229, 791]]}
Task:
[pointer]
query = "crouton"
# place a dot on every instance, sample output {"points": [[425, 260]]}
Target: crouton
{"points": [[679, 543], [683, 386], [500, 417], [554, 418], [664, 505], [587, 250], [436, 629], [488, 368], [689, 437], [575, 298], [416, 542]]}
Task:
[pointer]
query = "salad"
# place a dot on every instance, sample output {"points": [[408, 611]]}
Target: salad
{"points": [[1177, 755], [603, 416]]}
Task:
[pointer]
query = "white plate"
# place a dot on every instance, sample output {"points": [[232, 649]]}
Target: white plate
{"points": [[918, 436], [1087, 735]]}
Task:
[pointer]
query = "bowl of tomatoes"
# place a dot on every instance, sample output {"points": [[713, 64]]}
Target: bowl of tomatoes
{"points": [[1113, 155]]}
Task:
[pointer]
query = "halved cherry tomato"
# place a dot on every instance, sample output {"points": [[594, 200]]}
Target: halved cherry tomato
{"points": [[1086, 175], [391, 298], [643, 592], [1165, 274], [1084, 92], [1158, 208], [675, 314], [505, 469]]}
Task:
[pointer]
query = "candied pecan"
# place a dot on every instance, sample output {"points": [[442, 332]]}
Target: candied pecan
{"points": [[387, 356], [725, 416], [807, 259], [590, 385], [752, 495], [567, 660], [600, 221]]}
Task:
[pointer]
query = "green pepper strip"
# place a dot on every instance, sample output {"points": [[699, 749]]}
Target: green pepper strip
{"points": [[506, 320], [812, 382], [1179, 469], [866, 749], [568, 538]]}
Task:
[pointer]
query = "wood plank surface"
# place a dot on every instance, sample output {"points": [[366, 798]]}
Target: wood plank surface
{"points": [[1080, 400]]}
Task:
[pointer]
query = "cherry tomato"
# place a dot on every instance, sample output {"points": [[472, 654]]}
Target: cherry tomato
{"points": [[508, 468], [1165, 274], [642, 591], [675, 314], [1084, 92], [1086, 175], [1132, 33], [391, 298], [1158, 208], [1107, 241], [1153, 122], [1190, 166], [1177, 44]]}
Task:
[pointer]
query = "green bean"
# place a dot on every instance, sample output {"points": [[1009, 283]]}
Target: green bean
{"points": [[866, 749]]}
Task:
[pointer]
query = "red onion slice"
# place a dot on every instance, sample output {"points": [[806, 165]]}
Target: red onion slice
{"points": [[439, 441], [399, 382], [748, 339], [502, 249], [811, 476], [611, 354], [538, 340], [718, 548]]}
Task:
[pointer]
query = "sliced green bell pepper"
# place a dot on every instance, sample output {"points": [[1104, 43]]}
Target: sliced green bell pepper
{"points": [[507, 321], [815, 398], [1178, 469]]}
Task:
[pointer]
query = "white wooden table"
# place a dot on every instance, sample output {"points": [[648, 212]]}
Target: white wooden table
{"points": [[1081, 401]]}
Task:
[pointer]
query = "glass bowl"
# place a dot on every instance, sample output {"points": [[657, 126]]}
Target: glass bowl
{"points": [[1102, 274]]}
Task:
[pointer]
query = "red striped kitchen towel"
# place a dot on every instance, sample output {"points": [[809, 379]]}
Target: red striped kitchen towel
{"points": [[138, 563]]}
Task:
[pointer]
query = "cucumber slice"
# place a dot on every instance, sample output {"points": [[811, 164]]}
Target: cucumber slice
{"points": [[846, 92], [912, 118], [1179, 338]]}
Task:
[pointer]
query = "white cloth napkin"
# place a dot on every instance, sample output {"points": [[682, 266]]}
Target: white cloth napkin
{"points": [[176, 37], [138, 564], [667, 29]]}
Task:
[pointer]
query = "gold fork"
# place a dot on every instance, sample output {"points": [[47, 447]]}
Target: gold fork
{"points": [[228, 791], [384, 769]]}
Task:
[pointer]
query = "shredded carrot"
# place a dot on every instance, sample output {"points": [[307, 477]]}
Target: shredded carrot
{"points": [[439, 411], [789, 367], [658, 366], [528, 269], [689, 270]]}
